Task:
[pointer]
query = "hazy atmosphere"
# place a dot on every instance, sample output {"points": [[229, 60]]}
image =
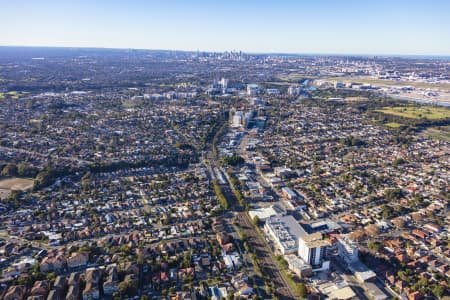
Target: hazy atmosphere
{"points": [[323, 26]]}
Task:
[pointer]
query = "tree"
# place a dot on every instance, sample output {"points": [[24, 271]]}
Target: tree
{"points": [[402, 275], [9, 170], [301, 287], [353, 141], [128, 287], [399, 161], [387, 211], [24, 169], [220, 196], [374, 246], [141, 259], [233, 160], [123, 286], [125, 249], [438, 291], [51, 276], [13, 199], [392, 194]]}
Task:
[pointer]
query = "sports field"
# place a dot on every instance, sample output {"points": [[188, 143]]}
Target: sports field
{"points": [[418, 112]]}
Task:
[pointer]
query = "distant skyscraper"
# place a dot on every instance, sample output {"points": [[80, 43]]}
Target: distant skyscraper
{"points": [[224, 84]]}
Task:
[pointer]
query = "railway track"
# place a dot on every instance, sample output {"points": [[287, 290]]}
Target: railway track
{"points": [[260, 248], [267, 263]]}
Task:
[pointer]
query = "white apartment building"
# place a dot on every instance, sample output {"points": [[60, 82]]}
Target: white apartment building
{"points": [[311, 248], [347, 249]]}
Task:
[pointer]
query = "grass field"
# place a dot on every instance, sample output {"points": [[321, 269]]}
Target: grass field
{"points": [[12, 95], [356, 99], [16, 184], [277, 83], [417, 112], [393, 125], [440, 133], [295, 77]]}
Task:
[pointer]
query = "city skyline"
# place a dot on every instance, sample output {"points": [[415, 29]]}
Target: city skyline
{"points": [[322, 27]]}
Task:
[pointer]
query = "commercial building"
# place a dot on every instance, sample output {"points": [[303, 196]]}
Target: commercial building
{"points": [[290, 238], [375, 292], [248, 116], [272, 91], [288, 193], [361, 271], [339, 85], [294, 90], [264, 213], [252, 89], [345, 293], [241, 118], [285, 232], [336, 290], [298, 266]]}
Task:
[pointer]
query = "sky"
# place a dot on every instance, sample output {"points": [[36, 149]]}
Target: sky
{"points": [[282, 26]]}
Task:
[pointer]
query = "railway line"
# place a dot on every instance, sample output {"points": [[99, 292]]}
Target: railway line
{"points": [[269, 267], [259, 247], [266, 260]]}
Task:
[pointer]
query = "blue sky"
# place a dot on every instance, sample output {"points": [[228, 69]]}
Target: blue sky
{"points": [[301, 26]]}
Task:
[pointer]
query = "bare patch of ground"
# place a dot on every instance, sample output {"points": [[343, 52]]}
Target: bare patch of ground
{"points": [[16, 184]]}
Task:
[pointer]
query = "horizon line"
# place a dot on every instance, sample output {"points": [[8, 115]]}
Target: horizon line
{"points": [[389, 55]]}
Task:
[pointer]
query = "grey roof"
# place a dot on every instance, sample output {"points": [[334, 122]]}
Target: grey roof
{"points": [[291, 223], [375, 291]]}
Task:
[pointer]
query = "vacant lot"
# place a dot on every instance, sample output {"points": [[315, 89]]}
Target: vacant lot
{"points": [[4, 194], [16, 184], [414, 112]]}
